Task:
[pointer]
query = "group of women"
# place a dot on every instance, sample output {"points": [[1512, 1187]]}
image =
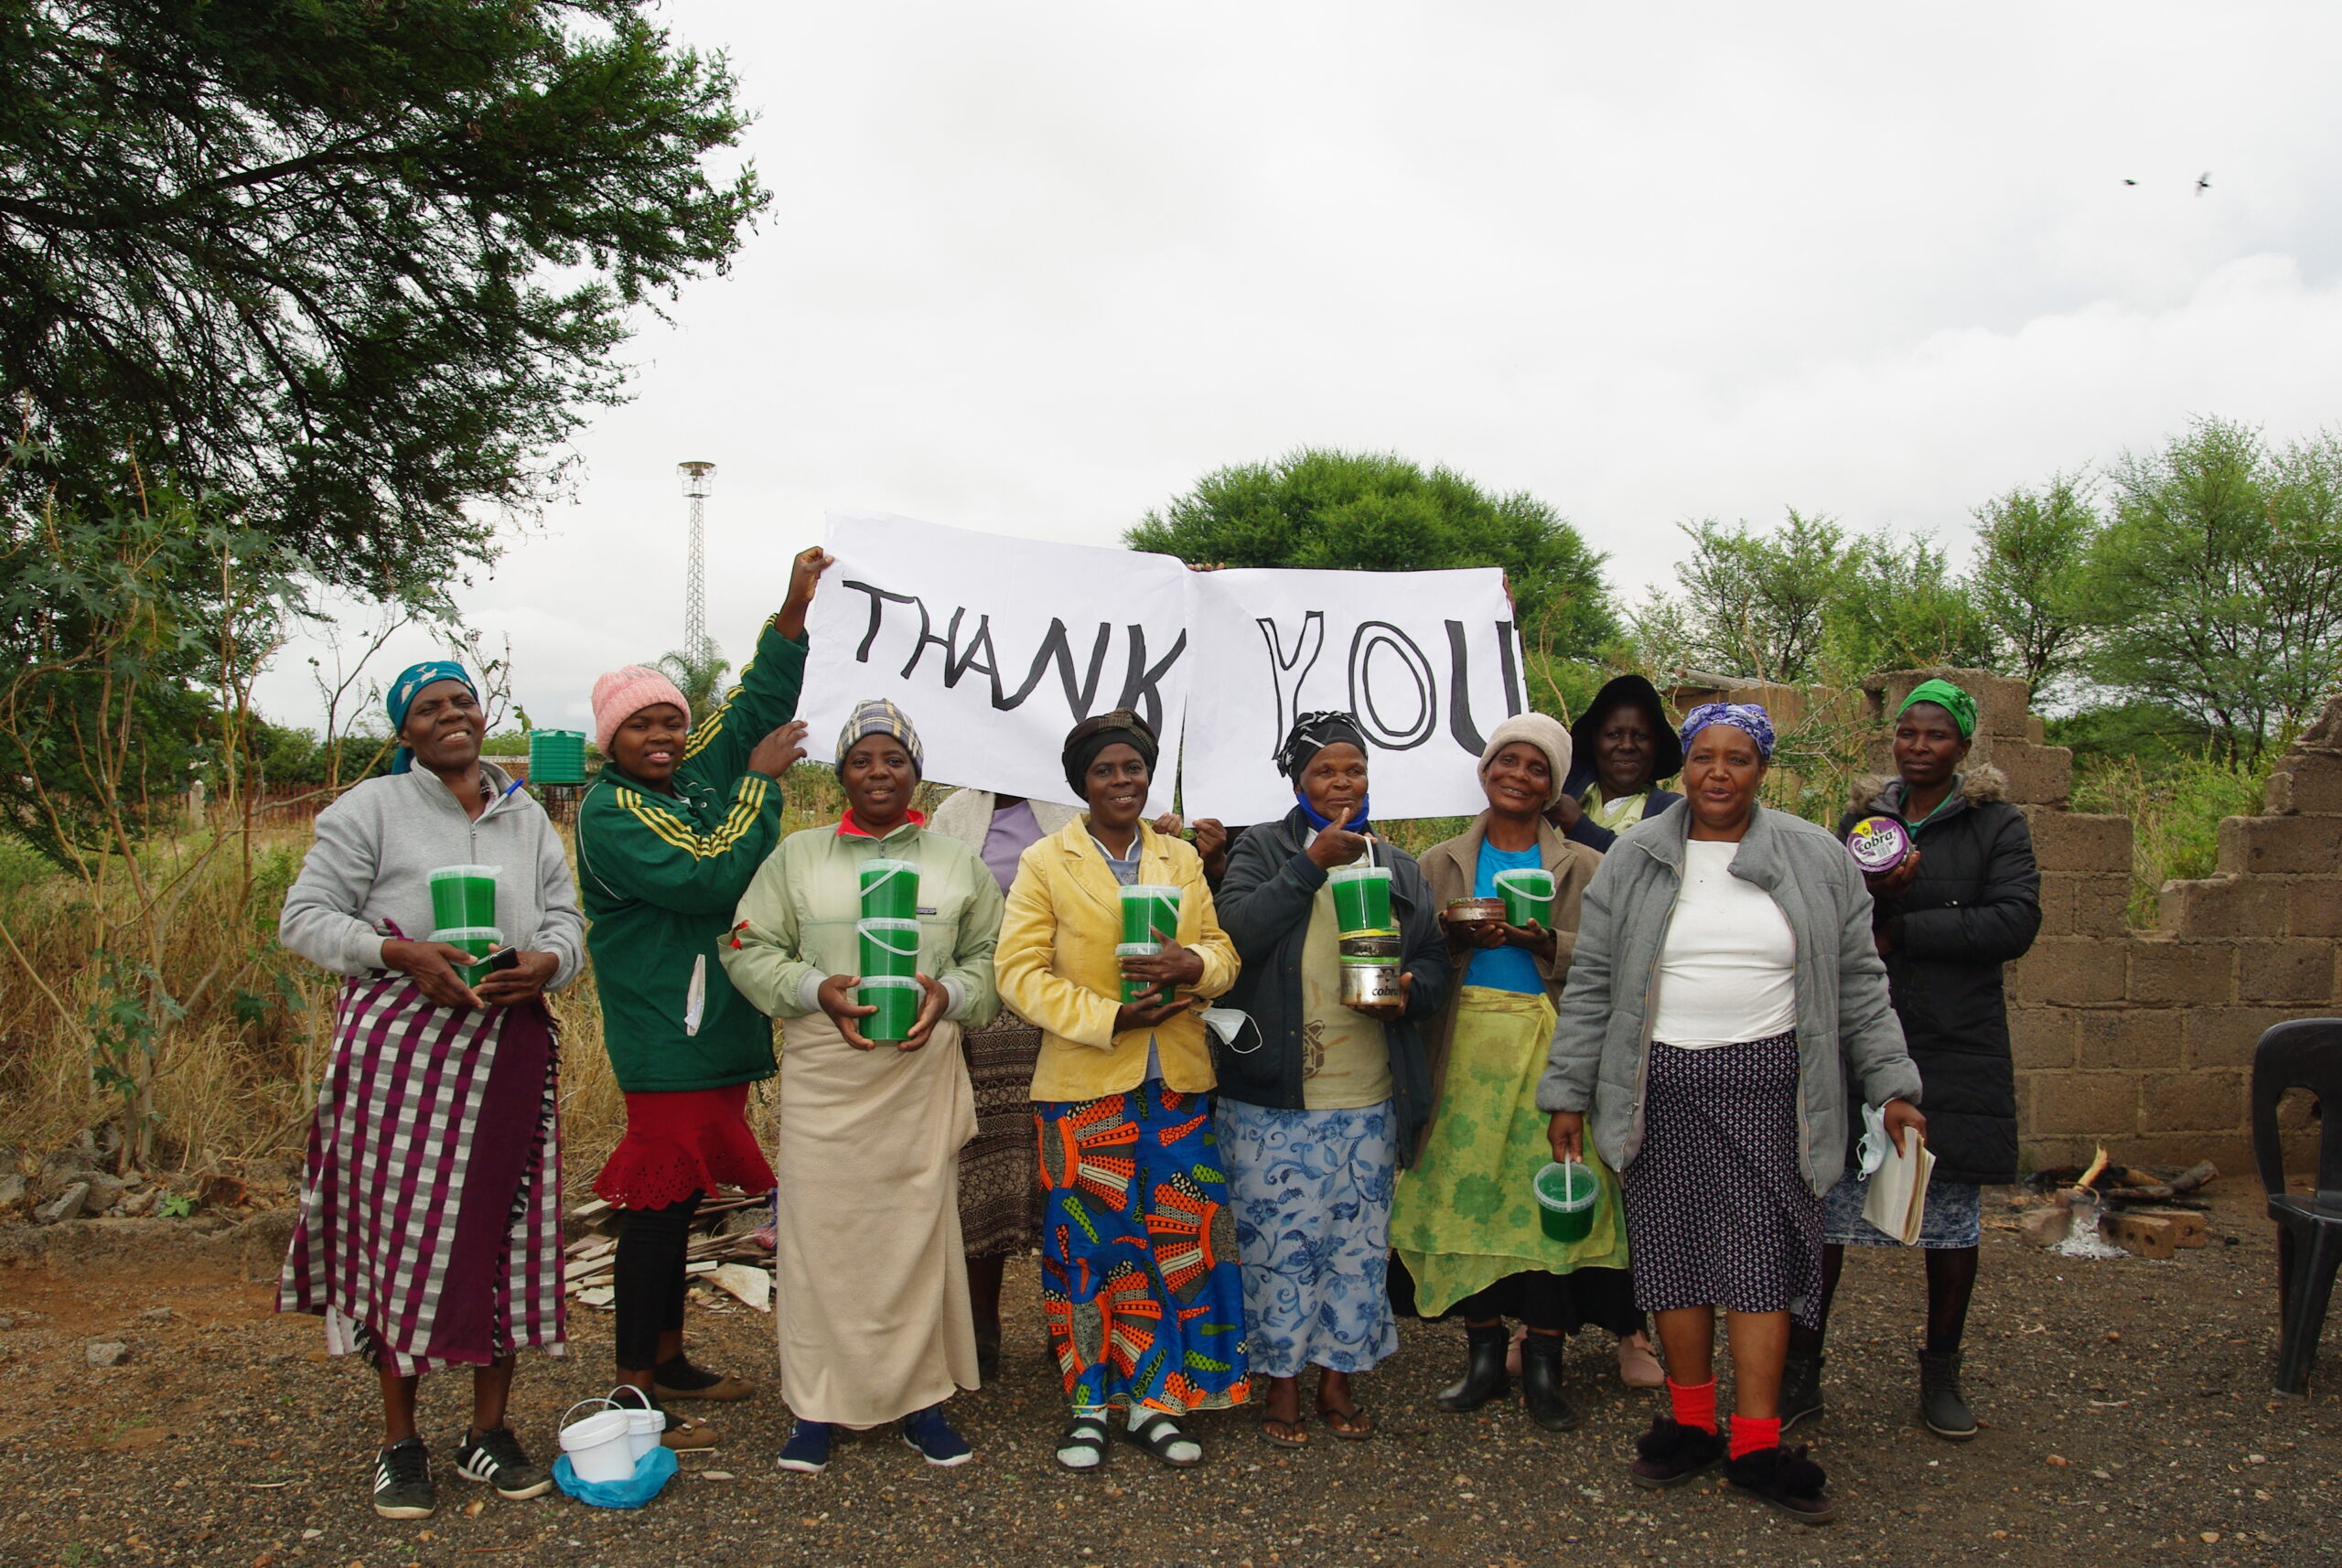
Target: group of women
{"points": [[1232, 1171]]}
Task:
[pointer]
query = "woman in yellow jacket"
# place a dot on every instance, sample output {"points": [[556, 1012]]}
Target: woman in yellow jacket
{"points": [[1139, 1270]]}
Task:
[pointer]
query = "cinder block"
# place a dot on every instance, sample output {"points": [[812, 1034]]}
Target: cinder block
{"points": [[2208, 1101], [2037, 732], [2299, 971], [2139, 1234], [2046, 1154], [2313, 906], [2166, 972], [2074, 841], [2187, 1230], [2103, 907], [2131, 1038], [2057, 904], [2096, 1105], [2309, 782], [2225, 1037], [2282, 846], [2226, 906], [2037, 775], [2070, 971], [2041, 1038]]}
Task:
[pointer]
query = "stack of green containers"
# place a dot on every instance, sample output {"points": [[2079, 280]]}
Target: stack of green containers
{"points": [[1147, 909], [889, 936], [556, 757], [1369, 937], [462, 915]]}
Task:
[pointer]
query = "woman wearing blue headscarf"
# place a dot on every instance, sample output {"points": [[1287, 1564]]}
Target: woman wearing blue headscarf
{"points": [[429, 1234], [1725, 991]]}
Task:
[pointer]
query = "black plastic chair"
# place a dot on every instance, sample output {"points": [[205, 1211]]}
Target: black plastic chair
{"points": [[2306, 1053]]}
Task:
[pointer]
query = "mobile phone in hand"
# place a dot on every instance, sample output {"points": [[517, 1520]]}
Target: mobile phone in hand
{"points": [[502, 957]]}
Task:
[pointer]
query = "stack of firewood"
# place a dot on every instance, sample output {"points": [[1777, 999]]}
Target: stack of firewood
{"points": [[730, 1252], [2149, 1214]]}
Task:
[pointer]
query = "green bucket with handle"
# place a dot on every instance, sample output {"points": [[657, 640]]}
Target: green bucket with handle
{"points": [[897, 997], [889, 946], [1567, 1194], [1361, 899], [889, 888], [1528, 894]]}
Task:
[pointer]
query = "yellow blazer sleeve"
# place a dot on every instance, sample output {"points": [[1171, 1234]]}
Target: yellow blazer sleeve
{"points": [[1214, 946], [1024, 962]]}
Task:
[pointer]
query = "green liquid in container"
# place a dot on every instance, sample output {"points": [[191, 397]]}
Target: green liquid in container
{"points": [[889, 947], [897, 1000], [1567, 1196], [463, 897], [889, 888], [1149, 913], [1528, 894], [1361, 899]]}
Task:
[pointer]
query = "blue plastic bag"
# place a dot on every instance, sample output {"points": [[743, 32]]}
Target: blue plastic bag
{"points": [[651, 1474]]}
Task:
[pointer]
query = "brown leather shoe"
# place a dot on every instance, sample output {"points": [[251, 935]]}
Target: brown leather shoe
{"points": [[686, 1437], [724, 1389]]}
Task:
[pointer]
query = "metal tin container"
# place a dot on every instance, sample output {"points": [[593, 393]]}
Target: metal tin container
{"points": [[1383, 947], [1878, 844], [1475, 912], [1369, 983]]}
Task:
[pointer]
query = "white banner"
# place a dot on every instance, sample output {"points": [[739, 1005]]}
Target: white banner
{"points": [[995, 647], [1428, 661]]}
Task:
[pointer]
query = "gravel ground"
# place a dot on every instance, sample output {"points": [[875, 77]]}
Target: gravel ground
{"points": [[2128, 1401]]}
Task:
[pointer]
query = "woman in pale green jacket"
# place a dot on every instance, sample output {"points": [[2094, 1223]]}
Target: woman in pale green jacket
{"points": [[871, 1283]]}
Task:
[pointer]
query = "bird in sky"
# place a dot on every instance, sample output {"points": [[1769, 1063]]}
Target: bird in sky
{"points": [[2204, 182], [2130, 182]]}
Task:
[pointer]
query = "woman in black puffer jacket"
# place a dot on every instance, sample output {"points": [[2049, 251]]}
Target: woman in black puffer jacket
{"points": [[1947, 920]]}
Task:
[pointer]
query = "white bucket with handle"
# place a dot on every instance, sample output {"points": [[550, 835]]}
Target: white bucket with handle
{"points": [[643, 1427], [599, 1447]]}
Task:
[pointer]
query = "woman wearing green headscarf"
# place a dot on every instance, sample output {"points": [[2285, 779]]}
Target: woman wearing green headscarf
{"points": [[1966, 902]]}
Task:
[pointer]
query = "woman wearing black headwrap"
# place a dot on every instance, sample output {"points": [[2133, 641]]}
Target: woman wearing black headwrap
{"points": [[1317, 1109], [1622, 746]]}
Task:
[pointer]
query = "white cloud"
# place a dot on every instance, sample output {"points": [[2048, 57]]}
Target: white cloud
{"points": [[1035, 268]]}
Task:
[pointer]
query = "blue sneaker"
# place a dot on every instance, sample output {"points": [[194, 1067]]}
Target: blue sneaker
{"points": [[808, 1448], [927, 1432]]}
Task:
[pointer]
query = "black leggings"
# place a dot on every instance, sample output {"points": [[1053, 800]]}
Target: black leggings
{"points": [[652, 1243], [1558, 1304]]}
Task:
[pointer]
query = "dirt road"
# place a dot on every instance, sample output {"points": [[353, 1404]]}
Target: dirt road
{"points": [[2130, 1422]]}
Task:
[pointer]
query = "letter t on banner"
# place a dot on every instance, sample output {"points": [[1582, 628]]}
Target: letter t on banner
{"points": [[995, 648]]}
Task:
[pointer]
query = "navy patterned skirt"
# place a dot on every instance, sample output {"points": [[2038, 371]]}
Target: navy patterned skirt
{"points": [[1718, 1213]]}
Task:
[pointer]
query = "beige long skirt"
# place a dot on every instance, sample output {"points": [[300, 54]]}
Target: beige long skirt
{"points": [[870, 1286]]}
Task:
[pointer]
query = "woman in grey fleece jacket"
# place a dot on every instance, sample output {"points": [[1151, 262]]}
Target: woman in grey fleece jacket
{"points": [[1724, 988]]}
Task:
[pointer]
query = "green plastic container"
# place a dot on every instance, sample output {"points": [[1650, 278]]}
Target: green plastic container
{"points": [[556, 757], [1567, 1196], [463, 897], [1361, 899], [889, 947], [1528, 894], [889, 889], [478, 941], [897, 997], [1149, 913], [1132, 985]]}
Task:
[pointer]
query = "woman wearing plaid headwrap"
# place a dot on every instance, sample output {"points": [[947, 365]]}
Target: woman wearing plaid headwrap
{"points": [[1725, 991]]}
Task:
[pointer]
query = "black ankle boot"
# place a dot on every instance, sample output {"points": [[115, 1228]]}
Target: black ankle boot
{"points": [[1483, 1377], [1541, 1382], [1800, 1389], [1942, 1408]]}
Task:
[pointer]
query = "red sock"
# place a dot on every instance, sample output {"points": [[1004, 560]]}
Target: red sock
{"points": [[1749, 1433], [1696, 1405]]}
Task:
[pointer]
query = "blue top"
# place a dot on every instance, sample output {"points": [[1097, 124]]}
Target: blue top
{"points": [[1504, 968]]}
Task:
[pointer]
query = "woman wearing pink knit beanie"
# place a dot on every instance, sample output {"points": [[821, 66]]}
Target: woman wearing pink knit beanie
{"points": [[668, 839]]}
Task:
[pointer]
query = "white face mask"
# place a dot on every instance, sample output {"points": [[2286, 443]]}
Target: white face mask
{"points": [[1873, 1149], [1227, 1023]]}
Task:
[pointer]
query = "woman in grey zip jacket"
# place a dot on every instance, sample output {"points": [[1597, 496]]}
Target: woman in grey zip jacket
{"points": [[1724, 989]]}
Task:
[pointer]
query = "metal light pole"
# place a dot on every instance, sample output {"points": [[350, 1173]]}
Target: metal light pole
{"points": [[697, 483]]}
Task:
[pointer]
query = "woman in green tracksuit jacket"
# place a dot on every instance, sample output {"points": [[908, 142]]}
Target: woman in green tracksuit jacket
{"points": [[668, 839]]}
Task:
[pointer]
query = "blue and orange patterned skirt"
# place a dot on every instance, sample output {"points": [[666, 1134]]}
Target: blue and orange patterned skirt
{"points": [[1139, 1270]]}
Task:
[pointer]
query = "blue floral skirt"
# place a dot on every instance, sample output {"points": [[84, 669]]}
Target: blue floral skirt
{"points": [[1139, 1277], [1311, 1191]]}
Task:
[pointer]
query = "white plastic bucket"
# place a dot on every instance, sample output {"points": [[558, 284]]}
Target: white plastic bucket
{"points": [[643, 1427], [600, 1447]]}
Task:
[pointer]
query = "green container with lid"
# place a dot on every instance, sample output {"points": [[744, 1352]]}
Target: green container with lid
{"points": [[463, 897], [1150, 913], [897, 997], [1133, 985], [1361, 899], [478, 941], [1567, 1196], [889, 946], [1528, 894], [556, 757], [889, 888]]}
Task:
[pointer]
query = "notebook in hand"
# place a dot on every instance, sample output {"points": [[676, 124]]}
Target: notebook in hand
{"points": [[1897, 1203]]}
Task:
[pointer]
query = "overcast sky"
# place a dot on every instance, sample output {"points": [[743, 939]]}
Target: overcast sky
{"points": [[1034, 268]]}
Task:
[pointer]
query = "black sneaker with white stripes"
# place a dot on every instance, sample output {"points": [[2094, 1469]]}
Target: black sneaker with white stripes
{"points": [[494, 1457], [402, 1487]]}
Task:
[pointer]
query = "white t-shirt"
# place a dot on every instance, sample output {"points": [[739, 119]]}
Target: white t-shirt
{"points": [[1727, 972]]}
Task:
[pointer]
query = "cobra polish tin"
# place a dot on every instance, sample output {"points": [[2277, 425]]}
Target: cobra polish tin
{"points": [[1878, 844]]}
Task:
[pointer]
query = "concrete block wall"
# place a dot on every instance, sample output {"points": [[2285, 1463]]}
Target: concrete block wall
{"points": [[2142, 1040]]}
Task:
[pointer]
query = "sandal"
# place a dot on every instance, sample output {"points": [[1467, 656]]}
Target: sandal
{"points": [[1294, 1435], [1087, 1435], [1355, 1424], [1157, 1434]]}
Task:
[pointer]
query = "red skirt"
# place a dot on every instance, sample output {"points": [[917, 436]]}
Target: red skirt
{"points": [[683, 1141]]}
